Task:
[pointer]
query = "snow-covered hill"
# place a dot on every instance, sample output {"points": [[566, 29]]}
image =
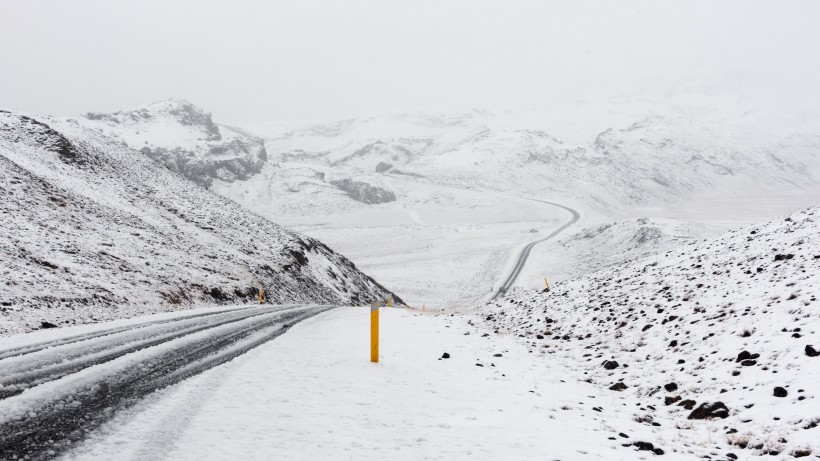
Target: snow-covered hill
{"points": [[92, 230], [615, 242], [712, 347], [185, 139]]}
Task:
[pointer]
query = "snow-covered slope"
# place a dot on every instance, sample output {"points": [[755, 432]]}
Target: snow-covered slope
{"points": [[92, 230], [615, 242], [185, 139], [725, 329]]}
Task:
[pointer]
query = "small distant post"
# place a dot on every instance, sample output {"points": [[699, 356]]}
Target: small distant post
{"points": [[374, 333], [261, 296], [547, 284]]}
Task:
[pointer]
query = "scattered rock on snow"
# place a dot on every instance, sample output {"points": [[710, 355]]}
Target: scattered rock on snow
{"points": [[710, 410], [610, 364], [619, 386], [746, 355], [688, 404], [647, 446], [669, 400]]}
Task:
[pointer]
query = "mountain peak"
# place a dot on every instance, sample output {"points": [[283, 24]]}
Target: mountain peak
{"points": [[179, 110]]}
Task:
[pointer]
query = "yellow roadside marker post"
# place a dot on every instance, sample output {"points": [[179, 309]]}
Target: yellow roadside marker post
{"points": [[547, 283], [261, 297], [374, 333]]}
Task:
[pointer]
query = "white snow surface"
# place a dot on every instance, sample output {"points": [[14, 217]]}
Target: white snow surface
{"points": [[727, 319]]}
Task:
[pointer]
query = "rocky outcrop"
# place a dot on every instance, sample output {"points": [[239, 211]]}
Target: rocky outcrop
{"points": [[364, 192], [184, 138]]}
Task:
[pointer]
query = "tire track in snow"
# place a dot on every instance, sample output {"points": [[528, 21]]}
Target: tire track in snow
{"points": [[36, 347], [523, 255], [51, 418], [53, 363]]}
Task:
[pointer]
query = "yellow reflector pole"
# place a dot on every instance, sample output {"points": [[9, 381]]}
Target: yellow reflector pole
{"points": [[374, 333]]}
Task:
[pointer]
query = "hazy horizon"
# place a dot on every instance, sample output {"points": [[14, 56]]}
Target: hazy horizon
{"points": [[267, 61]]}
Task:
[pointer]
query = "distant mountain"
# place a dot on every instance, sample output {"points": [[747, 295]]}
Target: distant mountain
{"points": [[185, 139], [92, 230], [651, 159]]}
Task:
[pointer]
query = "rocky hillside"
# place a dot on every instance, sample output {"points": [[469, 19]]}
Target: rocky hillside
{"points": [[712, 349], [91, 230], [185, 139]]}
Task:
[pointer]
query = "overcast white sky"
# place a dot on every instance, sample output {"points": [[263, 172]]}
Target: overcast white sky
{"points": [[298, 60]]}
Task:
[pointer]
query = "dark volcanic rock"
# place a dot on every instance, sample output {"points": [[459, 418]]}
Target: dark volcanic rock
{"points": [[445, 355], [710, 410], [669, 400], [780, 392], [364, 192], [671, 387], [647, 446], [811, 352], [618, 387], [746, 355], [381, 167], [610, 365], [688, 404]]}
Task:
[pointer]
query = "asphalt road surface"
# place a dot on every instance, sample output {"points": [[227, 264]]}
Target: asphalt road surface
{"points": [[52, 394]]}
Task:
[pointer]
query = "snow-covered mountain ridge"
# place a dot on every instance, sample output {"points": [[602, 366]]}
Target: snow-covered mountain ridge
{"points": [[725, 329], [91, 230], [185, 139], [648, 158]]}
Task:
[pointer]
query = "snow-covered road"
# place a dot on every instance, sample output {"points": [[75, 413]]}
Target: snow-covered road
{"points": [[53, 392], [313, 394], [520, 260]]}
